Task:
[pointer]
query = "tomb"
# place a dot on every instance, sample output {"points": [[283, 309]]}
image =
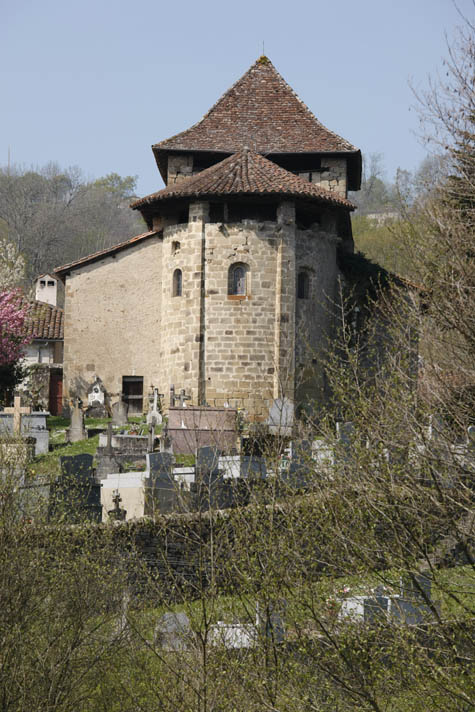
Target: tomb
{"points": [[21, 421], [192, 427]]}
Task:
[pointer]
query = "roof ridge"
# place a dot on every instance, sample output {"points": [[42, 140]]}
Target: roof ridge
{"points": [[97, 255]]}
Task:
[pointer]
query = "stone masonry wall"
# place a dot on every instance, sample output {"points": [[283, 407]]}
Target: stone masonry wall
{"points": [[239, 330], [181, 331], [335, 178], [112, 320], [316, 256], [179, 166], [122, 318]]}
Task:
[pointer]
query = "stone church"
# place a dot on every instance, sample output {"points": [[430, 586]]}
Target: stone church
{"points": [[229, 293]]}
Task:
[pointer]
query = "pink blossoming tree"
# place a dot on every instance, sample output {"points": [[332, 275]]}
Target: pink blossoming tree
{"points": [[13, 339]]}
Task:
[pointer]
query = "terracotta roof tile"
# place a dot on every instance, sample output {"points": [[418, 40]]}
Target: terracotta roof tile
{"points": [[44, 321], [60, 271], [260, 111], [245, 173]]}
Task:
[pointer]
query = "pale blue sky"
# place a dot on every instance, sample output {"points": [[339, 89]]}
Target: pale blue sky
{"points": [[95, 83]]}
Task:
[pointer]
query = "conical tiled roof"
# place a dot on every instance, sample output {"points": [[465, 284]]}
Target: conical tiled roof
{"points": [[244, 173], [260, 111]]}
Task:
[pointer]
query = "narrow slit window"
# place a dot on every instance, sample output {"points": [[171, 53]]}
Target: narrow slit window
{"points": [[303, 284], [177, 289]]}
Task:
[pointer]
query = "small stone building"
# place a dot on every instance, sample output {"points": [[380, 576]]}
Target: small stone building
{"points": [[44, 354], [229, 294]]}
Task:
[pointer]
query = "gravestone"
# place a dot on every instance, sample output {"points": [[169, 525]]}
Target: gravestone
{"points": [[76, 430], [119, 412], [270, 620], [281, 417], [233, 635], [106, 460], [161, 490], [117, 514], [17, 411], [376, 607], [299, 473], [75, 495], [345, 434], [173, 632], [96, 407], [253, 467], [32, 425], [154, 415], [205, 488], [207, 461]]}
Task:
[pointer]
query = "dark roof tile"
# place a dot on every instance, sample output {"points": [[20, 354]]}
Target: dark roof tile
{"points": [[260, 111], [44, 321]]}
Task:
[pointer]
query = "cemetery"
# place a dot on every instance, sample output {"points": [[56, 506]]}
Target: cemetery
{"points": [[243, 487], [197, 459]]}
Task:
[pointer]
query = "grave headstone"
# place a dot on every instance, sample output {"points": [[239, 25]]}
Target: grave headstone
{"points": [[173, 632], [17, 411], [161, 490], [117, 514], [281, 417], [253, 467], [154, 416], [106, 460], [207, 461], [119, 412], [76, 430], [96, 407], [376, 608], [206, 490], [32, 425], [299, 473], [233, 635], [182, 398], [270, 620], [76, 496]]}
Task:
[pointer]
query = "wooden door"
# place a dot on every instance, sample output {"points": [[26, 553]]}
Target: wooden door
{"points": [[55, 392]]}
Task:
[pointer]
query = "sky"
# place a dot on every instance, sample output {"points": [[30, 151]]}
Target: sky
{"points": [[95, 83]]}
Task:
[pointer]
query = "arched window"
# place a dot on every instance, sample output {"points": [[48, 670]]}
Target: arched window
{"points": [[303, 284], [237, 279], [177, 283]]}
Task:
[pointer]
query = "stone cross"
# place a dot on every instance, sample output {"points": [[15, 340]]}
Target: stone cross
{"points": [[182, 398], [17, 411]]}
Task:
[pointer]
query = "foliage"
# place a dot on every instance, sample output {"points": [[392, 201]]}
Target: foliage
{"points": [[10, 376], [60, 597], [12, 265], [381, 242], [13, 313], [50, 211]]}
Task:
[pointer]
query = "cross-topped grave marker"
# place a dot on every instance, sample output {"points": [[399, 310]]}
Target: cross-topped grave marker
{"points": [[182, 398], [17, 411]]}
